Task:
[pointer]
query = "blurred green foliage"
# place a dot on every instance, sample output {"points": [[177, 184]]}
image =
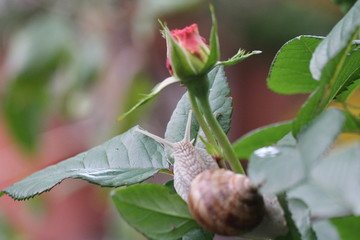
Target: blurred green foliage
{"points": [[34, 55], [345, 5], [44, 51], [6, 230], [267, 25], [140, 85], [348, 227]]}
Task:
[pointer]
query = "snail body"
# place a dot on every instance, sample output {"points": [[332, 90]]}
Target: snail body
{"points": [[189, 161], [225, 203]]}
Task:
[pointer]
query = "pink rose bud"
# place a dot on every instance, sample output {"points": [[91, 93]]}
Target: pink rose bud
{"points": [[193, 45], [189, 58], [187, 52]]}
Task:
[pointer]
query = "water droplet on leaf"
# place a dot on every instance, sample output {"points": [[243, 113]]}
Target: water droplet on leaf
{"points": [[267, 152]]}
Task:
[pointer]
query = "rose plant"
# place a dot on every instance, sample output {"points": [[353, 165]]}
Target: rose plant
{"points": [[316, 182]]}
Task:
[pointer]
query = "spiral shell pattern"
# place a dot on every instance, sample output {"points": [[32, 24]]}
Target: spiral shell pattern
{"points": [[225, 203]]}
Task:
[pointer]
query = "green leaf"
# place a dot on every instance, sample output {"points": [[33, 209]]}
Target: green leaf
{"points": [[198, 234], [175, 128], [323, 204], [319, 135], [289, 71], [220, 103], [339, 174], [123, 160], [281, 167], [337, 76], [300, 221], [293, 233], [336, 41], [325, 230], [154, 92], [352, 123], [301, 217], [336, 70], [276, 169], [319, 184], [341, 73], [333, 186], [170, 185], [154, 211], [260, 137], [287, 140], [308, 110], [241, 55], [348, 227], [346, 92]]}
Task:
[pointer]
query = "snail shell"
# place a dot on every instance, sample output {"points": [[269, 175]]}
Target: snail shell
{"points": [[274, 223], [225, 203], [189, 161]]}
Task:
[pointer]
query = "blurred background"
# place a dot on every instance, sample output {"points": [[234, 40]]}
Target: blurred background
{"points": [[69, 68]]}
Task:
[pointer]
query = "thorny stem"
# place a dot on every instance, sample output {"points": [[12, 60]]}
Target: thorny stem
{"points": [[204, 126], [222, 163], [220, 135], [198, 89]]}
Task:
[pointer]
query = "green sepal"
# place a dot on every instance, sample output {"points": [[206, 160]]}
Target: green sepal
{"points": [[241, 55], [154, 92], [179, 59], [211, 149], [214, 55]]}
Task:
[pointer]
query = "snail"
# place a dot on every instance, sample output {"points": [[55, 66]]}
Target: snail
{"points": [[220, 200], [225, 203], [189, 161]]}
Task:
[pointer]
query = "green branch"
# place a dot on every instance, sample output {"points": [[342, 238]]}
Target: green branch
{"points": [[220, 136], [204, 126]]}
